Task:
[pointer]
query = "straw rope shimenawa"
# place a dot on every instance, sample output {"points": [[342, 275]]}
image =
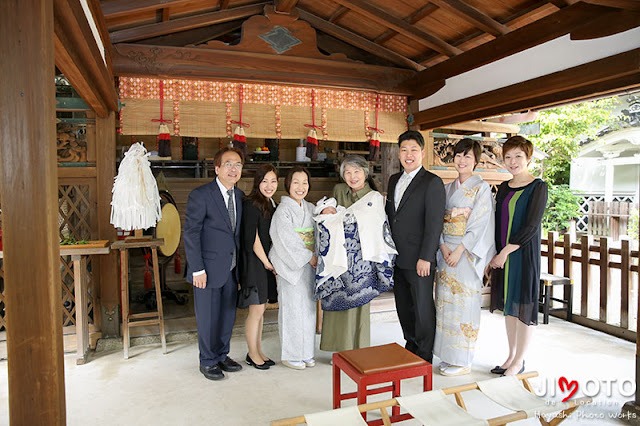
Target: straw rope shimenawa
{"points": [[136, 202]]}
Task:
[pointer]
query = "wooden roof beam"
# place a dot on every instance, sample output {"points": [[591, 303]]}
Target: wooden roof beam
{"points": [[523, 17], [356, 40], [483, 126], [549, 28], [633, 5], [182, 24], [218, 64], [101, 25], [78, 57], [195, 36], [285, 6], [118, 8], [563, 3], [604, 76], [384, 18], [473, 16], [339, 13], [413, 19]]}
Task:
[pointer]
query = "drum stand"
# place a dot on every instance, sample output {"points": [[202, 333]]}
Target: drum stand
{"points": [[150, 297], [145, 318]]}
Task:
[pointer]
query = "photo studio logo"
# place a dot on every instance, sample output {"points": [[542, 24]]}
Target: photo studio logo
{"points": [[592, 387]]}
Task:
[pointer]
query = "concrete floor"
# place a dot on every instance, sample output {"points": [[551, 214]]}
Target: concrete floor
{"points": [[155, 389]]}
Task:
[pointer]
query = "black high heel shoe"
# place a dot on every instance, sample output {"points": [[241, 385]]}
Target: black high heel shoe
{"points": [[270, 363], [498, 370], [519, 372], [263, 366]]}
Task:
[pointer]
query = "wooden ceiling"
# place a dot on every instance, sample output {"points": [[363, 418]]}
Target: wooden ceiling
{"points": [[398, 46]]}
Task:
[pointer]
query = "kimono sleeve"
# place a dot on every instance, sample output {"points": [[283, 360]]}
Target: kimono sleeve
{"points": [[286, 241], [480, 222]]}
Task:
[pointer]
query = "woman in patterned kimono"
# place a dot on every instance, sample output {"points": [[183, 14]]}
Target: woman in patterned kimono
{"points": [[515, 280], [366, 261], [292, 256], [466, 247]]}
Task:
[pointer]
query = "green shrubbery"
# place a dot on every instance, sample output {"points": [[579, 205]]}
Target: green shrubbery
{"points": [[562, 207]]}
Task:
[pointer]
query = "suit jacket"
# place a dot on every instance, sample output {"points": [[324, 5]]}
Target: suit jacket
{"points": [[417, 223], [209, 240]]}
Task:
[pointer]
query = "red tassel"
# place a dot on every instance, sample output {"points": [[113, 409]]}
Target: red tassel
{"points": [[240, 140], [147, 272], [374, 147], [312, 145], [177, 264], [164, 141], [147, 280]]}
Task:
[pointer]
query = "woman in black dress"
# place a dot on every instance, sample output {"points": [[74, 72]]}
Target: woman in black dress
{"points": [[257, 275], [515, 281]]}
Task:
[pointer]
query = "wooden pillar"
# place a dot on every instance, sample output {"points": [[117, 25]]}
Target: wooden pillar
{"points": [[390, 162], [108, 267], [28, 184]]}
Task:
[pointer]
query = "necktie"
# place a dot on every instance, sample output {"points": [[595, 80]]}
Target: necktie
{"points": [[232, 216], [403, 183], [232, 210]]}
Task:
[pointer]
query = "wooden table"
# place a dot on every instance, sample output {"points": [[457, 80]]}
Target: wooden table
{"points": [[145, 318], [79, 254]]}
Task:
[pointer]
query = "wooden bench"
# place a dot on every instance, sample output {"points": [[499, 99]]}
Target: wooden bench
{"points": [[547, 281]]}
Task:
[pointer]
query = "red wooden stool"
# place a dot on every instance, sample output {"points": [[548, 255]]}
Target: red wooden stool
{"points": [[375, 365]]}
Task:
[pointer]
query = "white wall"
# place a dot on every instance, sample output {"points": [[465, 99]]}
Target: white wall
{"points": [[547, 58]]}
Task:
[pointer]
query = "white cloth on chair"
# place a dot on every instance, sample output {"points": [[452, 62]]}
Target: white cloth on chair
{"points": [[437, 409], [347, 416], [509, 392]]}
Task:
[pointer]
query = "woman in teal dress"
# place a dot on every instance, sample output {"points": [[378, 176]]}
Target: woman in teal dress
{"points": [[515, 281]]}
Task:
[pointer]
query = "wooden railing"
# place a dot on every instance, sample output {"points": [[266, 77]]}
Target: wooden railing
{"points": [[600, 301], [609, 219]]}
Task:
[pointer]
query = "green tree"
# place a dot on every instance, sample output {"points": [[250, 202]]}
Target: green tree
{"points": [[562, 208], [561, 130]]}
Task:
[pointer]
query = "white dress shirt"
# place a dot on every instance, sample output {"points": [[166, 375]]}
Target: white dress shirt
{"points": [[403, 184]]}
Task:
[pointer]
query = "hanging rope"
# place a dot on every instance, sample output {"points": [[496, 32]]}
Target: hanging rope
{"points": [[239, 137], [374, 142], [312, 136], [164, 137]]}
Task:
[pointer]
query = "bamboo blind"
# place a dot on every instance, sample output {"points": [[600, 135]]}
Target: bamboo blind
{"points": [[209, 120]]}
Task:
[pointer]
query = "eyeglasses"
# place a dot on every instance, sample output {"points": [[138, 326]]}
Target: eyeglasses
{"points": [[229, 165]]}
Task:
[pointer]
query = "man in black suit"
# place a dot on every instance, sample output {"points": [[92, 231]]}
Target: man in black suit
{"points": [[415, 208], [211, 241]]}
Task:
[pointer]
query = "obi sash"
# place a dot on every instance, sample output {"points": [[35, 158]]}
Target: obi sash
{"points": [[454, 226]]}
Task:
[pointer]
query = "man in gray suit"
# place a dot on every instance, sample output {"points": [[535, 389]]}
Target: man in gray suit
{"points": [[415, 208], [211, 241]]}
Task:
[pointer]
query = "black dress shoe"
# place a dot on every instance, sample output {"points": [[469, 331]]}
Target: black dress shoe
{"points": [[519, 372], [498, 370], [212, 373], [270, 363], [263, 366], [229, 365]]}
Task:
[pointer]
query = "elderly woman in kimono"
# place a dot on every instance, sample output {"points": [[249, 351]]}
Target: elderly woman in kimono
{"points": [[292, 256], [355, 257], [466, 247]]}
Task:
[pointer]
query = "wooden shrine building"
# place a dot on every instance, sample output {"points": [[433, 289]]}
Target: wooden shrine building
{"points": [[345, 66]]}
